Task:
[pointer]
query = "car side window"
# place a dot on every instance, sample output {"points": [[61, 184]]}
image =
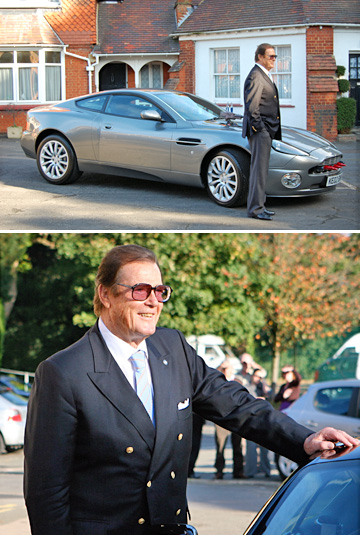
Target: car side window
{"points": [[95, 103], [334, 400], [129, 106]]}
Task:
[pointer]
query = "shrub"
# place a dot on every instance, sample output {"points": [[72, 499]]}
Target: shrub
{"points": [[346, 114], [340, 70], [344, 85]]}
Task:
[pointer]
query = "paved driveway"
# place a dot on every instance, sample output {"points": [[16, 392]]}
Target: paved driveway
{"points": [[96, 202]]}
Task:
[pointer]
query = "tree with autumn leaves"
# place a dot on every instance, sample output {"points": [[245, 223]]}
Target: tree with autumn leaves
{"points": [[260, 292], [307, 286]]}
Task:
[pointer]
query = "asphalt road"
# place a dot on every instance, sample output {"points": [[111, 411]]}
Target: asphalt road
{"points": [[217, 507], [98, 202]]}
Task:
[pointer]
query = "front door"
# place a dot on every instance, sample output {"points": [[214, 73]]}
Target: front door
{"points": [[354, 78], [112, 76]]}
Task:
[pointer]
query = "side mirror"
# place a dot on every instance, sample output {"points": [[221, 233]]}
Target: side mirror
{"points": [[151, 115]]}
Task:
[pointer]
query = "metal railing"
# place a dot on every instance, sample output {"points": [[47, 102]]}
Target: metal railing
{"points": [[26, 376]]}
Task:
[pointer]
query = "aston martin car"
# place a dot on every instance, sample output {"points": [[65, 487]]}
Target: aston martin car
{"points": [[173, 137], [321, 498]]}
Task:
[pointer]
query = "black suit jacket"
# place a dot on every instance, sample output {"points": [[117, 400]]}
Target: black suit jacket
{"points": [[262, 110], [94, 464]]}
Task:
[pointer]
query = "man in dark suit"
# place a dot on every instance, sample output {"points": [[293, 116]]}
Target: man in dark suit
{"points": [[97, 462], [261, 124]]}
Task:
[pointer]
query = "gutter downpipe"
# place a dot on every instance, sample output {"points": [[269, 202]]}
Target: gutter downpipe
{"points": [[90, 66]]}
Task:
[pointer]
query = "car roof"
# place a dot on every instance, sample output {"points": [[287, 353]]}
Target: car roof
{"points": [[354, 454], [336, 383]]}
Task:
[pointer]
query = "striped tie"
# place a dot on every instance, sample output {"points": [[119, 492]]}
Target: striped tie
{"points": [[142, 385]]}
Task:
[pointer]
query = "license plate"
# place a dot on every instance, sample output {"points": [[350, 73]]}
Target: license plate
{"points": [[332, 180]]}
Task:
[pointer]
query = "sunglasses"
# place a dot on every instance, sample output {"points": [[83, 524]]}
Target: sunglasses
{"points": [[272, 56], [141, 291]]}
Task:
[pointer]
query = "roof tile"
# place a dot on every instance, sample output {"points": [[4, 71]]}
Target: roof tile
{"points": [[25, 28], [137, 27]]}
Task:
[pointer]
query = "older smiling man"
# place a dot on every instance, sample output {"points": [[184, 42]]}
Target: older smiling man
{"points": [[108, 434]]}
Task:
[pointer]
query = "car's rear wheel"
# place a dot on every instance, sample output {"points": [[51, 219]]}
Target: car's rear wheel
{"points": [[56, 160], [227, 178], [285, 466], [2, 445]]}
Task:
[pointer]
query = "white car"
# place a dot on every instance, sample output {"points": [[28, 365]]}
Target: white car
{"points": [[13, 410], [329, 403]]}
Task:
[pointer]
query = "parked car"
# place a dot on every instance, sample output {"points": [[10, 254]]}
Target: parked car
{"points": [[321, 498], [13, 410], [213, 350], [329, 403], [19, 387], [345, 363], [175, 137]]}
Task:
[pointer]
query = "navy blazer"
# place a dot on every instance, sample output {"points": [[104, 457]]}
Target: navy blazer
{"points": [[262, 109], [95, 464]]}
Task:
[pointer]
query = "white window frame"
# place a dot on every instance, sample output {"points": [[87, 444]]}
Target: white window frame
{"points": [[279, 75], [227, 99], [41, 70]]}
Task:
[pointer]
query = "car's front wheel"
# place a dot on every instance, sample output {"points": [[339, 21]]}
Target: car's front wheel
{"points": [[227, 178], [56, 160], [285, 466]]}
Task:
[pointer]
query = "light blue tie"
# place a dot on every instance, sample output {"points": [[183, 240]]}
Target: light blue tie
{"points": [[142, 384]]}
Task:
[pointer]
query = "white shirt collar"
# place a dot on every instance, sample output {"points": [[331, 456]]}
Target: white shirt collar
{"points": [[116, 345], [268, 73]]}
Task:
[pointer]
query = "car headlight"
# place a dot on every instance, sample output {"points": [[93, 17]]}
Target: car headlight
{"points": [[291, 180], [281, 146]]}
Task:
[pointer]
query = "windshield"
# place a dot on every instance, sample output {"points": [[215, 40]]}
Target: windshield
{"points": [[330, 495], [191, 108]]}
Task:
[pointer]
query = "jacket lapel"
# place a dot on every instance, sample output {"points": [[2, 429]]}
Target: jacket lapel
{"points": [[160, 371], [112, 383]]}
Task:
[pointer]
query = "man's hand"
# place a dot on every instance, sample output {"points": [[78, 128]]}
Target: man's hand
{"points": [[323, 442]]}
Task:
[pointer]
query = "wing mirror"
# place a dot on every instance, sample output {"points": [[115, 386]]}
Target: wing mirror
{"points": [[151, 115]]}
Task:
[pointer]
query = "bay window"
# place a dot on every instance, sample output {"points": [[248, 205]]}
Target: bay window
{"points": [[30, 75]]}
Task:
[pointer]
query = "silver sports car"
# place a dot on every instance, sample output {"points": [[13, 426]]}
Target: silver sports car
{"points": [[171, 137]]}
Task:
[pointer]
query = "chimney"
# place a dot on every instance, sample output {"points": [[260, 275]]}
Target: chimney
{"points": [[183, 8]]}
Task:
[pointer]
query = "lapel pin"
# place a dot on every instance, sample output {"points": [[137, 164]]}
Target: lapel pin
{"points": [[165, 362]]}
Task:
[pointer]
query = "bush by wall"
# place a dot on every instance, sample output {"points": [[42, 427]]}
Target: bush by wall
{"points": [[346, 114]]}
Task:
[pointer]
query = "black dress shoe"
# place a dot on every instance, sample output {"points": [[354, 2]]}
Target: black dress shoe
{"points": [[268, 212], [262, 215]]}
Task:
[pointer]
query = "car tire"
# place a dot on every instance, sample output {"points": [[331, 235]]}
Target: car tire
{"points": [[56, 160], [227, 178], [2, 445], [284, 466]]}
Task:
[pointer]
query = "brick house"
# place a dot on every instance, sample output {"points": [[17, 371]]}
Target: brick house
{"points": [[56, 49]]}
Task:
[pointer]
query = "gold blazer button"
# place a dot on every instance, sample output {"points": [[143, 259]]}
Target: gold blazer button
{"points": [[172, 475], [178, 512], [148, 484], [180, 436], [141, 521], [130, 449]]}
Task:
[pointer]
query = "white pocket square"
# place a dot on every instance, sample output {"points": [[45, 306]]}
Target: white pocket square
{"points": [[183, 404]]}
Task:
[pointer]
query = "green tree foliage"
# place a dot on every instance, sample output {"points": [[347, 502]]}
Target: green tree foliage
{"points": [[13, 259], [278, 291]]}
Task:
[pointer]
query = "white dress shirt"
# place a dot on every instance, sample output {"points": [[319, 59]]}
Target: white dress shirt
{"points": [[122, 351], [265, 71]]}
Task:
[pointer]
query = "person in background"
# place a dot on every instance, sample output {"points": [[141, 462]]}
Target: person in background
{"points": [[258, 390], [222, 435], [290, 390], [248, 366]]}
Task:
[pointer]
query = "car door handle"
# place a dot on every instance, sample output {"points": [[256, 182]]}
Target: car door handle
{"points": [[107, 126]]}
